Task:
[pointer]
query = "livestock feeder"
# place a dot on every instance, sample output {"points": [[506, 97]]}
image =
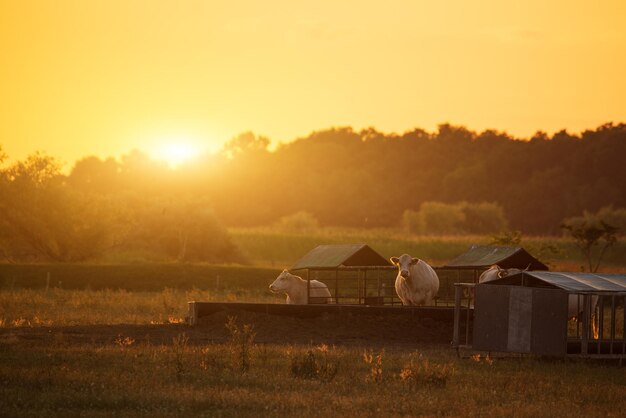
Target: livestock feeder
{"points": [[360, 281], [530, 312], [354, 273], [358, 276]]}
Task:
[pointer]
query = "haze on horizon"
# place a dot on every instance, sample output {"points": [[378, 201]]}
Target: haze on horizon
{"points": [[103, 78]]}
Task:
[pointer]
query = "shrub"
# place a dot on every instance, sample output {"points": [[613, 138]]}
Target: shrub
{"points": [[411, 221], [419, 371], [483, 218], [179, 230], [311, 366], [436, 218], [304, 366]]}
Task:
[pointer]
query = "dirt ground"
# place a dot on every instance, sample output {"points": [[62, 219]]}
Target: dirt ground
{"points": [[341, 330]]}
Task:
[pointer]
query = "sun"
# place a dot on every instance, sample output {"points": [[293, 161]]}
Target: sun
{"points": [[176, 152]]}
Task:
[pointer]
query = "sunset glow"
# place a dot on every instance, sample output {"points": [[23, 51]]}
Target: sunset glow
{"points": [[95, 78], [175, 153]]}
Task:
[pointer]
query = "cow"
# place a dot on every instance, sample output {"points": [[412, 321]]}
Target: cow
{"points": [[296, 289], [417, 283], [574, 304], [496, 272]]}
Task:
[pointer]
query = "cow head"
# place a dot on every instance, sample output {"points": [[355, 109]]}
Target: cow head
{"points": [[281, 284], [404, 263], [508, 272]]}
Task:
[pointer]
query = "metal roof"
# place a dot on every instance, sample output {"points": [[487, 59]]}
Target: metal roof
{"points": [[571, 282], [334, 256], [479, 256]]}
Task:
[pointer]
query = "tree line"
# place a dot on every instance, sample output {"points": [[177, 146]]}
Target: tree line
{"points": [[339, 176], [369, 179]]}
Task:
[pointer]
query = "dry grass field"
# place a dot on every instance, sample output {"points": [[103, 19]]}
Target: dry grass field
{"points": [[112, 340], [105, 352], [225, 368]]}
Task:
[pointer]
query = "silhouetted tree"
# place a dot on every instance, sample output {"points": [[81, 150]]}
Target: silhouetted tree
{"points": [[588, 233]]}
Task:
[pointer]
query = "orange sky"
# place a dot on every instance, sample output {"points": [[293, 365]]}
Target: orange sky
{"points": [[100, 78]]}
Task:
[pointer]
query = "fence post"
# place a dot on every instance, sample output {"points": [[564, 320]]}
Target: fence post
{"points": [[586, 315], [308, 287], [457, 314], [192, 312]]}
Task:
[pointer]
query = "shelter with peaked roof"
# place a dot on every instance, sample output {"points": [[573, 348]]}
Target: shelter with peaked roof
{"points": [[336, 256], [479, 257], [354, 273], [531, 312]]}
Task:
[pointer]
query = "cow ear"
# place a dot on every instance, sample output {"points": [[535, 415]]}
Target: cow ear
{"points": [[394, 260], [414, 260]]}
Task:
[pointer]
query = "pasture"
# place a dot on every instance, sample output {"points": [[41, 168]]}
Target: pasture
{"points": [[173, 370], [271, 247], [102, 340]]}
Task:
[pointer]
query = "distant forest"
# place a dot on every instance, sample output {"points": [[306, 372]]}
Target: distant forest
{"points": [[368, 179], [339, 176]]}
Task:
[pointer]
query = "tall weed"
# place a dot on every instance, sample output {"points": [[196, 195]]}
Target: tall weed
{"points": [[240, 344], [375, 365], [179, 346]]}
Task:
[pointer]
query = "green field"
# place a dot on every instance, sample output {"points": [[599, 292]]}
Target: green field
{"points": [[274, 248]]}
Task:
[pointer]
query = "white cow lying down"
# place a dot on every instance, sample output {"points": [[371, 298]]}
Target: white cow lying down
{"points": [[497, 272], [416, 283], [296, 289], [574, 305]]}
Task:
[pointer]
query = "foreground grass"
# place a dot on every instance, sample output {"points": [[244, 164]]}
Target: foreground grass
{"points": [[55, 375], [128, 379]]}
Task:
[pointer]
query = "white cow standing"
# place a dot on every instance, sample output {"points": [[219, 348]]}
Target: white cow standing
{"points": [[574, 305], [416, 283], [296, 289]]}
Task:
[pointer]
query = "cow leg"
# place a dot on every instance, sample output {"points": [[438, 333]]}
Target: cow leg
{"points": [[595, 325]]}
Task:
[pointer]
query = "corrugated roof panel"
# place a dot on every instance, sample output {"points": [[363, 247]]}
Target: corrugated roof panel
{"points": [[573, 282], [562, 281], [333, 256], [482, 256], [479, 256], [577, 282]]}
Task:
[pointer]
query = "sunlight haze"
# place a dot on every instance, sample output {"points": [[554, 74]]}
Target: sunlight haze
{"points": [[105, 77]]}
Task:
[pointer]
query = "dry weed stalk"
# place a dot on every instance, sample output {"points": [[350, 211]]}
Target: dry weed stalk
{"points": [[179, 346], [375, 363], [240, 344], [419, 371]]}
